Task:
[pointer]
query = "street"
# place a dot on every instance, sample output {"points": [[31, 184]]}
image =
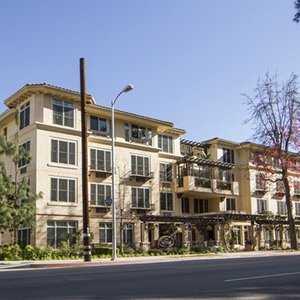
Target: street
{"points": [[243, 278]]}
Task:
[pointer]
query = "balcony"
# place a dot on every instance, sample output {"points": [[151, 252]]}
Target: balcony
{"points": [[207, 187], [141, 177], [100, 173], [145, 141], [143, 209], [296, 193]]}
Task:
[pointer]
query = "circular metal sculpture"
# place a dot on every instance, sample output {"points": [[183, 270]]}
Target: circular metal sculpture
{"points": [[166, 241]]}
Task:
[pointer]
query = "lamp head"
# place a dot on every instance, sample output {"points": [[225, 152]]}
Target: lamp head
{"points": [[127, 88]]}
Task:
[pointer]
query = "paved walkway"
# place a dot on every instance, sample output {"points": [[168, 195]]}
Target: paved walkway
{"points": [[6, 265]]}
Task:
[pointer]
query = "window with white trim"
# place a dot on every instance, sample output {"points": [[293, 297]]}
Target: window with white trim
{"points": [[105, 233], [61, 231], [24, 151], [165, 172], [165, 143], [24, 115], [166, 201], [128, 234], [230, 204], [100, 160], [99, 125], [297, 208], [63, 152], [63, 113], [99, 194], [262, 206], [140, 197], [260, 182], [297, 187], [140, 165], [281, 208], [63, 190]]}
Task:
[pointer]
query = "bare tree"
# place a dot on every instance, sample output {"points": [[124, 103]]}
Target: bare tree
{"points": [[274, 110], [297, 15]]}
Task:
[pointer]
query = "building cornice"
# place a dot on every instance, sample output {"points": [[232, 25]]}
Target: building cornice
{"points": [[30, 89]]}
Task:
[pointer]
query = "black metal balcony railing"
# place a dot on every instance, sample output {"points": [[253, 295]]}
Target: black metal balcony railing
{"points": [[224, 185], [202, 182], [142, 176], [145, 141]]}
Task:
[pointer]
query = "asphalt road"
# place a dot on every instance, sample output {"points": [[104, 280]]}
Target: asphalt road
{"points": [[246, 278]]}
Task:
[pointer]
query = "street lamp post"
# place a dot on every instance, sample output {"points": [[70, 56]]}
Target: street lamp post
{"points": [[127, 89]]}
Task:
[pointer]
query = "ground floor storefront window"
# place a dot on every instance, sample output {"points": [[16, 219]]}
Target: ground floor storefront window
{"points": [[61, 231]]}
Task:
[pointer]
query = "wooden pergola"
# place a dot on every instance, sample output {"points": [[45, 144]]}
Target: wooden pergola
{"points": [[211, 219]]}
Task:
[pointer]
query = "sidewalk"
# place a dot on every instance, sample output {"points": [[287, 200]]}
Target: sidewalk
{"points": [[35, 265]]}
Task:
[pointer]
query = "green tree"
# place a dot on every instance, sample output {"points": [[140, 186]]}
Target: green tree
{"points": [[17, 202]]}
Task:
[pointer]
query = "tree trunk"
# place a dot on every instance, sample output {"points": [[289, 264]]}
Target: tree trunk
{"points": [[289, 207]]}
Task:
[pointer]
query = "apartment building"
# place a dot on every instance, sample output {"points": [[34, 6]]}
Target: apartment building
{"points": [[50, 129], [195, 192]]}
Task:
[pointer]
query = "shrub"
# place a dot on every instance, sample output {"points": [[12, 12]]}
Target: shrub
{"points": [[10, 252], [101, 250]]}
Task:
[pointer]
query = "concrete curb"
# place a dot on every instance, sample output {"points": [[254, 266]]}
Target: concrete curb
{"points": [[55, 264]]}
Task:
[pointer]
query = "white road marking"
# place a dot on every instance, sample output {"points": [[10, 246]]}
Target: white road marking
{"points": [[262, 276]]}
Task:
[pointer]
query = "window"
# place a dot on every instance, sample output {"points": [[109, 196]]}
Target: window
{"points": [[185, 205], [63, 152], [166, 201], [201, 171], [24, 115], [200, 206], [105, 233], [61, 231], [140, 198], [24, 236], [228, 155], [261, 206], [100, 160], [140, 165], [128, 234], [230, 204], [279, 187], [165, 172], [276, 162], [24, 151], [268, 235], [63, 190], [99, 125], [281, 208], [236, 235], [260, 182], [297, 187], [165, 143], [297, 208], [138, 134], [99, 194], [63, 113]]}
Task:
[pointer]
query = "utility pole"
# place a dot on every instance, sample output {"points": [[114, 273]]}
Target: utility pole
{"points": [[85, 200]]}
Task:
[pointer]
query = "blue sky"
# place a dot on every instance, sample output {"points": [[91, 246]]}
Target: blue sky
{"points": [[189, 61]]}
